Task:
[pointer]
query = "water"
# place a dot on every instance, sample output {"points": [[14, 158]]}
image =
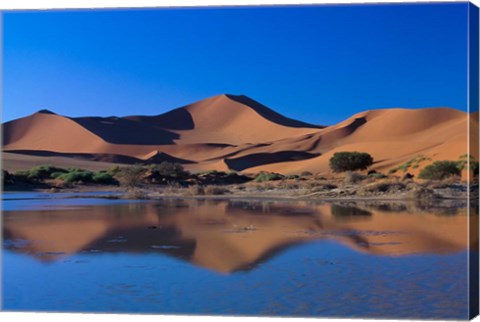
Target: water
{"points": [[233, 257]]}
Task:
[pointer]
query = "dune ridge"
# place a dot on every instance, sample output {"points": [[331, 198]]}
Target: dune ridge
{"points": [[235, 132]]}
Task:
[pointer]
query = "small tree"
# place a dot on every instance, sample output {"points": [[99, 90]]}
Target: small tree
{"points": [[132, 175], [350, 161], [170, 169], [439, 170]]}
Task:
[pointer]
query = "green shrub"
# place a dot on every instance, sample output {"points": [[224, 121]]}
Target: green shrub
{"points": [[114, 170], [292, 176], [55, 175], [44, 171], [268, 176], [76, 176], [413, 163], [439, 170], [350, 161], [39, 172], [103, 178], [377, 175]]}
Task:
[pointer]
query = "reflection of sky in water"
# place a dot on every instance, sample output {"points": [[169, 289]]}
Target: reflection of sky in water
{"points": [[286, 260], [320, 278], [38, 201]]}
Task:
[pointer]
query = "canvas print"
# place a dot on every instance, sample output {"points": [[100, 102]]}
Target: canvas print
{"points": [[304, 161]]}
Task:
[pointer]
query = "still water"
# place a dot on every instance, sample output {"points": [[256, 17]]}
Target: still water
{"points": [[234, 257]]}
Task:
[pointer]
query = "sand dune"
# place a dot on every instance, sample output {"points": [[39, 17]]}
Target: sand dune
{"points": [[235, 132]]}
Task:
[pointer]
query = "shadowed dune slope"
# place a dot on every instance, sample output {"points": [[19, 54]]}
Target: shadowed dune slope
{"points": [[235, 132]]}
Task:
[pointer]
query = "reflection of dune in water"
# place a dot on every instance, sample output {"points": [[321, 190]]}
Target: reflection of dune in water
{"points": [[227, 236]]}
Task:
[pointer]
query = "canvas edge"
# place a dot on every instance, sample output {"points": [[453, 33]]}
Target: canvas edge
{"points": [[473, 106]]}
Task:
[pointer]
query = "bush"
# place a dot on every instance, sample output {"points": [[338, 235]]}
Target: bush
{"points": [[268, 176], [216, 190], [306, 174], [196, 190], [170, 169], [114, 170], [353, 177], [350, 161], [103, 178], [292, 177], [377, 175], [7, 178], [132, 176], [75, 176], [44, 172], [39, 172], [439, 170], [382, 187], [84, 176]]}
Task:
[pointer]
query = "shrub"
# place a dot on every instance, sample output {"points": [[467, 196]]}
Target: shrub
{"points": [[196, 190], [382, 187], [44, 171], [350, 161], [353, 177], [7, 178], [170, 169], [268, 176], [377, 175], [76, 175], [413, 163], [132, 176], [422, 193], [292, 176], [439, 170], [39, 172], [323, 187], [103, 178], [114, 170], [215, 190], [306, 174]]}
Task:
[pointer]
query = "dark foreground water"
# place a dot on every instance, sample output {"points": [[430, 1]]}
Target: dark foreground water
{"points": [[234, 257]]}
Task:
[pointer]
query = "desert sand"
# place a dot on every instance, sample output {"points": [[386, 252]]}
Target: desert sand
{"points": [[228, 132]]}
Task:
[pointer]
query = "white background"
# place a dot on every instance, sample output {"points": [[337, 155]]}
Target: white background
{"points": [[46, 4]]}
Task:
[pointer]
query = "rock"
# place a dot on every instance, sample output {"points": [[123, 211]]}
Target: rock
{"points": [[407, 176]]}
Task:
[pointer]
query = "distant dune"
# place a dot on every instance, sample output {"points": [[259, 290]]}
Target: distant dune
{"points": [[235, 132]]}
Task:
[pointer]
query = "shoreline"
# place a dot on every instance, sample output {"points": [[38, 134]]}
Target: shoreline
{"points": [[159, 193]]}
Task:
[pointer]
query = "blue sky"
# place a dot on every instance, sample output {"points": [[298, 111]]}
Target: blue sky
{"points": [[319, 64]]}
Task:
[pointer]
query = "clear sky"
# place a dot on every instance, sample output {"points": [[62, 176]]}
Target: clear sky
{"points": [[318, 64]]}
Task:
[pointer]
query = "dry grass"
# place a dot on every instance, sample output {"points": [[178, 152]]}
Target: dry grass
{"points": [[216, 190], [353, 177]]}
